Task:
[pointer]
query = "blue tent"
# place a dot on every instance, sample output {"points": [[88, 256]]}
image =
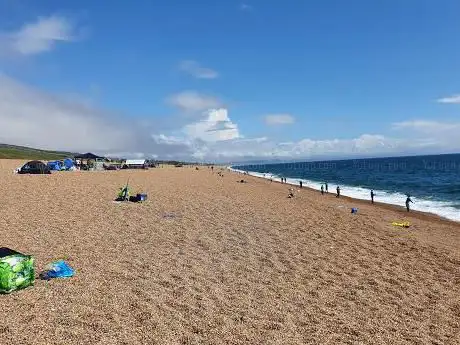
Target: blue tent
{"points": [[56, 165], [68, 163]]}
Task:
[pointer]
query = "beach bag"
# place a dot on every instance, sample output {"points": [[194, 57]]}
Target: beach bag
{"points": [[16, 270]]}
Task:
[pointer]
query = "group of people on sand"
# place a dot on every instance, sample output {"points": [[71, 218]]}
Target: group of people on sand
{"points": [[408, 200], [325, 188]]}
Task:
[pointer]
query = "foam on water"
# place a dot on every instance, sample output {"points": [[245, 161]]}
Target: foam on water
{"points": [[442, 208]]}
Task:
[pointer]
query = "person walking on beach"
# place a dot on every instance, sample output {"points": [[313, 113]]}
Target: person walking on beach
{"points": [[372, 195], [327, 189], [408, 200], [322, 190], [300, 184], [338, 192]]}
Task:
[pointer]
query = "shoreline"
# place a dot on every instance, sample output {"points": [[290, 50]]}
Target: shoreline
{"points": [[427, 227], [393, 207]]}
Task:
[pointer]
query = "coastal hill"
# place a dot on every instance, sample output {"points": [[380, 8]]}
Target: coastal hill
{"points": [[22, 152], [27, 153]]}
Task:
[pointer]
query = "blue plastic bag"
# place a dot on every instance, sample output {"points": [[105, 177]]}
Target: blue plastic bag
{"points": [[58, 269]]}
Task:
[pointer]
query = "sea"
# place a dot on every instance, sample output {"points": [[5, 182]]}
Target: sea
{"points": [[433, 182]]}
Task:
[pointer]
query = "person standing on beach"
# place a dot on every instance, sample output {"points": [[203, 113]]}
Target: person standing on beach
{"points": [[322, 190], [327, 189], [408, 200], [300, 184], [338, 192], [372, 195]]}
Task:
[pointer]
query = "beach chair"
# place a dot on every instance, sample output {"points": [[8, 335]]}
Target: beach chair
{"points": [[123, 194]]}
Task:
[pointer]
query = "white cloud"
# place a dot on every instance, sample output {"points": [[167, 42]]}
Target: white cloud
{"points": [[455, 99], [427, 126], [192, 101], [279, 119], [33, 118], [37, 37], [217, 126], [432, 133], [36, 119], [194, 69]]}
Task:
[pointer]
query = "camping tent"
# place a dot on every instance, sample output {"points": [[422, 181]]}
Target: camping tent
{"points": [[68, 164], [56, 165], [35, 167], [86, 156], [83, 159]]}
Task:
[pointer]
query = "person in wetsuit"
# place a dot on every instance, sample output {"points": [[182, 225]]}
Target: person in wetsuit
{"points": [[338, 192], [322, 189], [372, 195], [327, 189], [300, 184]]}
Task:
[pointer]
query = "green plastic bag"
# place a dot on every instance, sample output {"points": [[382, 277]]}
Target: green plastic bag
{"points": [[16, 270]]}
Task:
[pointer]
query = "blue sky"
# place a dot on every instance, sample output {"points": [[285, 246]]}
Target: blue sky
{"points": [[299, 79]]}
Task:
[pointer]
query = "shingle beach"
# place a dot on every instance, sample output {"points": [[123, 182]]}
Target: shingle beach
{"points": [[207, 260]]}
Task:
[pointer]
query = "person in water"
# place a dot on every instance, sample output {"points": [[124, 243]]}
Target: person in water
{"points": [[372, 195], [408, 200], [338, 192], [327, 189], [322, 189], [300, 184]]}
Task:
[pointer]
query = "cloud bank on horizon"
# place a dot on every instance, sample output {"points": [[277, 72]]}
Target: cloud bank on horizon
{"points": [[203, 126]]}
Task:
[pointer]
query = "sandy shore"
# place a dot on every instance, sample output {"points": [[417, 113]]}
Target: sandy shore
{"points": [[208, 260]]}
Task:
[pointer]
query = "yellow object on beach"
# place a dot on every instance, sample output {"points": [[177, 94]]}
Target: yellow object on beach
{"points": [[403, 224]]}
